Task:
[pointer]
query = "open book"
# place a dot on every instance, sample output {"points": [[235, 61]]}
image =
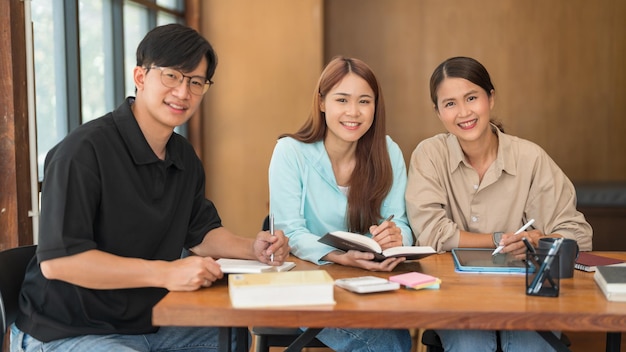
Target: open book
{"points": [[347, 240], [249, 266]]}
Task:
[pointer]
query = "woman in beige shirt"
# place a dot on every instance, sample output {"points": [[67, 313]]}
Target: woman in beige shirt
{"points": [[475, 186]]}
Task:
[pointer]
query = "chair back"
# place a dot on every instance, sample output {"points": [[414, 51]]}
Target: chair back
{"points": [[13, 263]]}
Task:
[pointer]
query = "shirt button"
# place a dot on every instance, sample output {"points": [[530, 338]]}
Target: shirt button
{"points": [[475, 187], [474, 218]]}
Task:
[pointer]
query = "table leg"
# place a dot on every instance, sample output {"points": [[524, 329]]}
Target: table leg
{"points": [[242, 334], [304, 338], [613, 341], [554, 341], [225, 339]]}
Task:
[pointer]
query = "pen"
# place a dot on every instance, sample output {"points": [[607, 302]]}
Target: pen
{"points": [[272, 232], [521, 229], [389, 218], [529, 246]]}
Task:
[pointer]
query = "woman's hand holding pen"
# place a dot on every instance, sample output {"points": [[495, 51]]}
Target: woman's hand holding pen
{"points": [[387, 234]]}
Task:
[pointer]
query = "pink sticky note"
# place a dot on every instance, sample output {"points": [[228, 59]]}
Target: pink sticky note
{"points": [[412, 279]]}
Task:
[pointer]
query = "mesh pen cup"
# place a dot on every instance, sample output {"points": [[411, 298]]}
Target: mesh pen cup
{"points": [[542, 274]]}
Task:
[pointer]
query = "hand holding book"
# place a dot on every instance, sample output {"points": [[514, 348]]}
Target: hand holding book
{"points": [[353, 241]]}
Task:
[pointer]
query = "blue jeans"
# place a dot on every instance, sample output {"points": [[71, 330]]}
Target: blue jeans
{"points": [[366, 340], [485, 340], [165, 339]]}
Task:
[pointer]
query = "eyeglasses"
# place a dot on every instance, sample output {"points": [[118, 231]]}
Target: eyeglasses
{"points": [[172, 78]]}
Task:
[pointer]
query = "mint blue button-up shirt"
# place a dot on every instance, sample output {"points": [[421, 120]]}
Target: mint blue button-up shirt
{"points": [[307, 202]]}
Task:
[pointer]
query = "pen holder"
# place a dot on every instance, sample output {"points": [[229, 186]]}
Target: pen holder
{"points": [[542, 274]]}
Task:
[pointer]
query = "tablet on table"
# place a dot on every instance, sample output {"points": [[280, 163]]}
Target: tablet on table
{"points": [[480, 260]]}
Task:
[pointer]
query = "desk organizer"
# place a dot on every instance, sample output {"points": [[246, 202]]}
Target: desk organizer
{"points": [[542, 274]]}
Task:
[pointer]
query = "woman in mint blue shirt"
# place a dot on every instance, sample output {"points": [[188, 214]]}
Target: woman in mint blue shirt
{"points": [[341, 172]]}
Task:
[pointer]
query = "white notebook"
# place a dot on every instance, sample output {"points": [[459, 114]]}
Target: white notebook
{"points": [[247, 266]]}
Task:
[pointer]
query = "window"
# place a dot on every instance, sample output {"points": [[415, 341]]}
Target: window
{"points": [[84, 53]]}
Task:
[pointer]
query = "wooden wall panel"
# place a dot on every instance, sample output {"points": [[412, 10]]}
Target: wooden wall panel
{"points": [[558, 68], [269, 58], [16, 227]]}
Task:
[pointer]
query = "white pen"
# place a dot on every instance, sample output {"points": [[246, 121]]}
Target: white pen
{"points": [[521, 229], [272, 233]]}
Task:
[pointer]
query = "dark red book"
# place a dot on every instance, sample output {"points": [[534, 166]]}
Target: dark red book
{"points": [[588, 262]]}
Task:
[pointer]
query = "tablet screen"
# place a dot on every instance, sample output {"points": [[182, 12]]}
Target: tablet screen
{"points": [[481, 260]]}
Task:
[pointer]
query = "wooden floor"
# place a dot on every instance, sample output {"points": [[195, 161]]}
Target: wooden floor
{"points": [[581, 342]]}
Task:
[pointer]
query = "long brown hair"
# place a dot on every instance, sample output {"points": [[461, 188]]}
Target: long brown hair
{"points": [[372, 177]]}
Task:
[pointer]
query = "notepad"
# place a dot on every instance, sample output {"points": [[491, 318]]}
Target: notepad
{"points": [[416, 281], [248, 266]]}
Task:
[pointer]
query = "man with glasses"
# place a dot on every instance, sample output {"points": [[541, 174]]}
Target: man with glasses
{"points": [[172, 78], [122, 196]]}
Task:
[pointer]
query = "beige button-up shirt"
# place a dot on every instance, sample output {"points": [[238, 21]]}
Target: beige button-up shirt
{"points": [[444, 194]]}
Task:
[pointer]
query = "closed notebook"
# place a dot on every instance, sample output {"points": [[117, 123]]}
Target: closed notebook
{"points": [[612, 281], [276, 289], [588, 262]]}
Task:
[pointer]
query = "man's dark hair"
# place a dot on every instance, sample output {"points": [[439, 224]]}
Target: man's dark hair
{"points": [[176, 46]]}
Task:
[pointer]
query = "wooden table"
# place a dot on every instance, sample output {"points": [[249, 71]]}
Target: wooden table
{"points": [[464, 301]]}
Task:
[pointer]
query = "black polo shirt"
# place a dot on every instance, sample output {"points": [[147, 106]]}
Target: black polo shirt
{"points": [[104, 188]]}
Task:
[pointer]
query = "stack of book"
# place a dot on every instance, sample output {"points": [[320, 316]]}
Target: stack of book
{"points": [[588, 262], [276, 289], [612, 281]]}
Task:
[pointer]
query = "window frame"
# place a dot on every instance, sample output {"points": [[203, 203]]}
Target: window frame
{"points": [[113, 10]]}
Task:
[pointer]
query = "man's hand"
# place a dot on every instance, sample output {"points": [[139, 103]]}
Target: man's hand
{"points": [[191, 273], [265, 245]]}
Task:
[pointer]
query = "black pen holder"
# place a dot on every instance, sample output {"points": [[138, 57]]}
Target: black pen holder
{"points": [[542, 274]]}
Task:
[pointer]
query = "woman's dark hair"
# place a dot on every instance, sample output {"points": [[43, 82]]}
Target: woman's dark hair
{"points": [[462, 67], [176, 46], [372, 177]]}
